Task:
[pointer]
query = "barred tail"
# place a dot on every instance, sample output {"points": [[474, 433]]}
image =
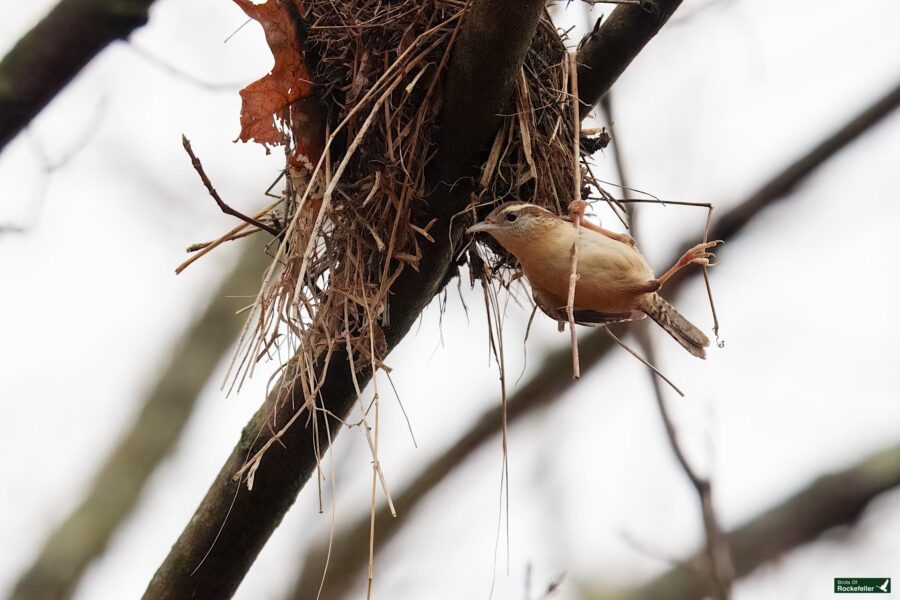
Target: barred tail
{"points": [[685, 333]]}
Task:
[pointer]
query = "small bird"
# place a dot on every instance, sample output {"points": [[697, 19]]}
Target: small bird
{"points": [[614, 283]]}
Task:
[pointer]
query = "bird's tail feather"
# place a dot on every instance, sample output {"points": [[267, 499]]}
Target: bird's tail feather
{"points": [[685, 333]]}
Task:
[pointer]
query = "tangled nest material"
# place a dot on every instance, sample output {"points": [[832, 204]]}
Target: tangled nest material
{"points": [[346, 218]]}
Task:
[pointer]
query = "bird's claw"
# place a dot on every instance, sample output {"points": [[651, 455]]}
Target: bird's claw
{"points": [[699, 254], [703, 259]]}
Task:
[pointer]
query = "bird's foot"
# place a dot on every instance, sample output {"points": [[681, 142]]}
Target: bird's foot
{"points": [[700, 255]]}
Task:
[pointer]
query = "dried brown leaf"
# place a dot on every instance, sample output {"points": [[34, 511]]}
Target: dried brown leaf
{"points": [[265, 101]]}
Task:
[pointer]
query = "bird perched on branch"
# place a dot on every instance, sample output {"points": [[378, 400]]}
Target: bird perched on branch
{"points": [[614, 282]]}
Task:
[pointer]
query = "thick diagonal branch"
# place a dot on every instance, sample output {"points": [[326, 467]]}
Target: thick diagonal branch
{"points": [[55, 50], [231, 525]]}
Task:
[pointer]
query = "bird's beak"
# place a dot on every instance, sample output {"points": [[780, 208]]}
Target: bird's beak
{"points": [[483, 226]]}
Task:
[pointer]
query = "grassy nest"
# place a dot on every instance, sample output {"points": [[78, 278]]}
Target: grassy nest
{"points": [[348, 220]]}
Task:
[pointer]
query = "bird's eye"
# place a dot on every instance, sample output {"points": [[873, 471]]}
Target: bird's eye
{"points": [[511, 216]]}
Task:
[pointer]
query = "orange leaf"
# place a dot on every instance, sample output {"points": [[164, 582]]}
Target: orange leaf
{"points": [[265, 101]]}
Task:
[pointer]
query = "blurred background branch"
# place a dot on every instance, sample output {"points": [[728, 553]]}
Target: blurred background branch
{"points": [[834, 500], [117, 487], [55, 50]]}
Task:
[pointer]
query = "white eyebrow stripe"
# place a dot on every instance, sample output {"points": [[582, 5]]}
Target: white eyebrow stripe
{"points": [[520, 206]]}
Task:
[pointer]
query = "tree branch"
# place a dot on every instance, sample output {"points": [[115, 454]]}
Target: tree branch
{"points": [[350, 550], [606, 52], [483, 67], [116, 489], [55, 50], [231, 525], [831, 501]]}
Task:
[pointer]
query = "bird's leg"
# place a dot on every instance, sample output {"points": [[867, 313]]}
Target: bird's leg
{"points": [[697, 255], [619, 237], [577, 207]]}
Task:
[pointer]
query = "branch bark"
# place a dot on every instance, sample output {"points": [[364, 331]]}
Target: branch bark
{"points": [[483, 67], [84, 534], [834, 500], [55, 50], [606, 52], [231, 525], [350, 549]]}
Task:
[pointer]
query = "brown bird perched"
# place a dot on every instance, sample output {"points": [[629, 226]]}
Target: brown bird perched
{"points": [[614, 281]]}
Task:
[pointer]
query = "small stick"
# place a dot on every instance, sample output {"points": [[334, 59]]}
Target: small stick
{"points": [[646, 362], [576, 221], [200, 246], [712, 304], [215, 195]]}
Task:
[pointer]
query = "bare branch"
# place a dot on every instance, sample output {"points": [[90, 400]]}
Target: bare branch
{"points": [[606, 52], [487, 58], [55, 50], [198, 166]]}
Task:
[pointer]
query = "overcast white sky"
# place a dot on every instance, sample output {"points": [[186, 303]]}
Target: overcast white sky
{"points": [[805, 384]]}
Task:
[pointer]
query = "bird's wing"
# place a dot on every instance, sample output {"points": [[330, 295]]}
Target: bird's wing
{"points": [[583, 316], [592, 317]]}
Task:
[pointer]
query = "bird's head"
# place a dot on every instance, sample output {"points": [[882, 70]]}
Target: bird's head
{"points": [[514, 223]]}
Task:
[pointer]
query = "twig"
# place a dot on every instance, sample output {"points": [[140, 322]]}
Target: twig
{"points": [[215, 195], [718, 554], [50, 166], [645, 361], [174, 71], [633, 2], [576, 221]]}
